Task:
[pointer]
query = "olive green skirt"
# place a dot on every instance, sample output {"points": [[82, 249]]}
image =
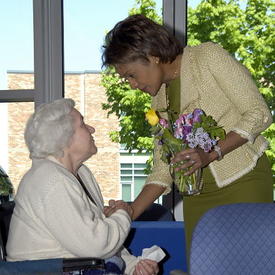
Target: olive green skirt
{"points": [[256, 186]]}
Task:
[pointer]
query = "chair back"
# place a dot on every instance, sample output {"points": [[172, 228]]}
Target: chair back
{"points": [[156, 212], [235, 239]]}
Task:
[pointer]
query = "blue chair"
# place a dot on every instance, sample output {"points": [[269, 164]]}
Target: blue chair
{"points": [[169, 235], [156, 212], [235, 239], [157, 226]]}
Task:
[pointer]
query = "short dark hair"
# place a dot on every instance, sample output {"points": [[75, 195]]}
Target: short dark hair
{"points": [[136, 38]]}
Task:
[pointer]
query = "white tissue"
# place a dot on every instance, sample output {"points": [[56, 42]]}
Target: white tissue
{"points": [[154, 253]]}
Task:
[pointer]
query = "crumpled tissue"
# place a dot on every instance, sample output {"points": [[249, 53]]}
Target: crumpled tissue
{"points": [[154, 253]]}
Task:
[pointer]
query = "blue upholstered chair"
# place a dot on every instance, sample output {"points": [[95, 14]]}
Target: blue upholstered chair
{"points": [[156, 212], [157, 226], [235, 239]]}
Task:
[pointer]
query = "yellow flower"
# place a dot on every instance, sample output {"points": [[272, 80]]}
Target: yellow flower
{"points": [[152, 117]]}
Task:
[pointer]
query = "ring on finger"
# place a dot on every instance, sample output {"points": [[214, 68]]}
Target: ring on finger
{"points": [[187, 157], [192, 161]]}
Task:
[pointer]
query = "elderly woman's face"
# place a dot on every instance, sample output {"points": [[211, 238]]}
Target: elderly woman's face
{"points": [[82, 145]]}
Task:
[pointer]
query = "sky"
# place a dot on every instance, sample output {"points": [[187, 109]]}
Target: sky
{"points": [[85, 24]]}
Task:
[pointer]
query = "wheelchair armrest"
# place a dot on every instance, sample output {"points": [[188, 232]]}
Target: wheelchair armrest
{"points": [[71, 264], [50, 266]]}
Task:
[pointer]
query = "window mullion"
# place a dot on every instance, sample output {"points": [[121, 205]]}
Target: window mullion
{"points": [[48, 50]]}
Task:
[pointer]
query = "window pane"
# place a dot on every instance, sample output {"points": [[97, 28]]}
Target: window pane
{"points": [[14, 157], [16, 47], [85, 25], [140, 165], [126, 192], [126, 172], [139, 182], [128, 179], [126, 165]]}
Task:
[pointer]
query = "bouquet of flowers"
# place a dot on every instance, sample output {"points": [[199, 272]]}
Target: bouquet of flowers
{"points": [[191, 130]]}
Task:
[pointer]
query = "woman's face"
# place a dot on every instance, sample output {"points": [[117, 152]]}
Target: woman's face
{"points": [[147, 77], [82, 145]]}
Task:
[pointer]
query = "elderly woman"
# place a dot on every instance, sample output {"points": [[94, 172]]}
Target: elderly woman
{"points": [[59, 206]]}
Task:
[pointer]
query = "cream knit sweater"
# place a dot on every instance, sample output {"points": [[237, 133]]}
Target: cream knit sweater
{"points": [[211, 79], [53, 218]]}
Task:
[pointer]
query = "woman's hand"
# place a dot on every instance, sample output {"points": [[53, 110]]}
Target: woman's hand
{"points": [[115, 205], [192, 159], [146, 267], [197, 158]]}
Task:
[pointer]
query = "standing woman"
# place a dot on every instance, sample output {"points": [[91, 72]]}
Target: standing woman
{"points": [[205, 77]]}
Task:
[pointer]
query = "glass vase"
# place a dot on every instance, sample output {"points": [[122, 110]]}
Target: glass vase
{"points": [[188, 185]]}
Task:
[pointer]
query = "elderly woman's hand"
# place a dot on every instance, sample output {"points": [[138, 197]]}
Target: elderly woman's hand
{"points": [[115, 205], [146, 267]]}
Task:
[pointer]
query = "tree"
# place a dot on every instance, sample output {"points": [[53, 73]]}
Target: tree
{"points": [[246, 33], [130, 105]]}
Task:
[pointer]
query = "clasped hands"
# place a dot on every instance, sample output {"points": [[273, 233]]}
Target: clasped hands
{"points": [[114, 205]]}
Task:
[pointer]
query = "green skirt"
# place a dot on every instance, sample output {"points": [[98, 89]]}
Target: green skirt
{"points": [[256, 186]]}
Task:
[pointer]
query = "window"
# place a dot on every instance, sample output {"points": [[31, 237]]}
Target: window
{"points": [[31, 46], [132, 177], [31, 73]]}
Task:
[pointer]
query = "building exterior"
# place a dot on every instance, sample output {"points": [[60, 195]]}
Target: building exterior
{"points": [[115, 171]]}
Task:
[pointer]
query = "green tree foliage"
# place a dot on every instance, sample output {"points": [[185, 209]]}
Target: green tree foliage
{"points": [[246, 30], [6, 187], [130, 105], [248, 34]]}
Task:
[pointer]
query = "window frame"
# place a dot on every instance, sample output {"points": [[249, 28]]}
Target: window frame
{"points": [[48, 56]]}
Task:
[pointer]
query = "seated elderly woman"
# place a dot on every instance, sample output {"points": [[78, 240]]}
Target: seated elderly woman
{"points": [[59, 207]]}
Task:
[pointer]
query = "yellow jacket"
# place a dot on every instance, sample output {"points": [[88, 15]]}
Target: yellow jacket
{"points": [[211, 79]]}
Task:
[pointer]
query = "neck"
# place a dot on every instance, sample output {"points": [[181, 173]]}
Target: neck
{"points": [[172, 70], [176, 67], [70, 163]]}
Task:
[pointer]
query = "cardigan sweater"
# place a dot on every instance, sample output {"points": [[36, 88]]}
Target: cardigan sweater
{"points": [[54, 218], [212, 80]]}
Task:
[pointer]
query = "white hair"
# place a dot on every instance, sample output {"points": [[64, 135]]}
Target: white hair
{"points": [[50, 128]]}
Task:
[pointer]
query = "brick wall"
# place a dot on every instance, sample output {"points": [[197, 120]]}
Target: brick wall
{"points": [[88, 94]]}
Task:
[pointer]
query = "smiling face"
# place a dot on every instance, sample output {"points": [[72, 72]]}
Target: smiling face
{"points": [[147, 77], [82, 144]]}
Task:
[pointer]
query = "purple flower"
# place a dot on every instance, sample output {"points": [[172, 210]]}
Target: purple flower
{"points": [[188, 119], [197, 115], [200, 138], [163, 122], [182, 131]]}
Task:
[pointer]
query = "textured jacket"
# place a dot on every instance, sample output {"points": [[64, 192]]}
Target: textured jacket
{"points": [[54, 218], [211, 79]]}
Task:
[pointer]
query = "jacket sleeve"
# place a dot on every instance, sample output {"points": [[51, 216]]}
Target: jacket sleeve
{"points": [[238, 85], [80, 227], [160, 172]]}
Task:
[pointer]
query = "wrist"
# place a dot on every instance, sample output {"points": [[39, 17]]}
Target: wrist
{"points": [[218, 152]]}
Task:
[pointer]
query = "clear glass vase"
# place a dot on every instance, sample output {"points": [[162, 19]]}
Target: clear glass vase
{"points": [[188, 185]]}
